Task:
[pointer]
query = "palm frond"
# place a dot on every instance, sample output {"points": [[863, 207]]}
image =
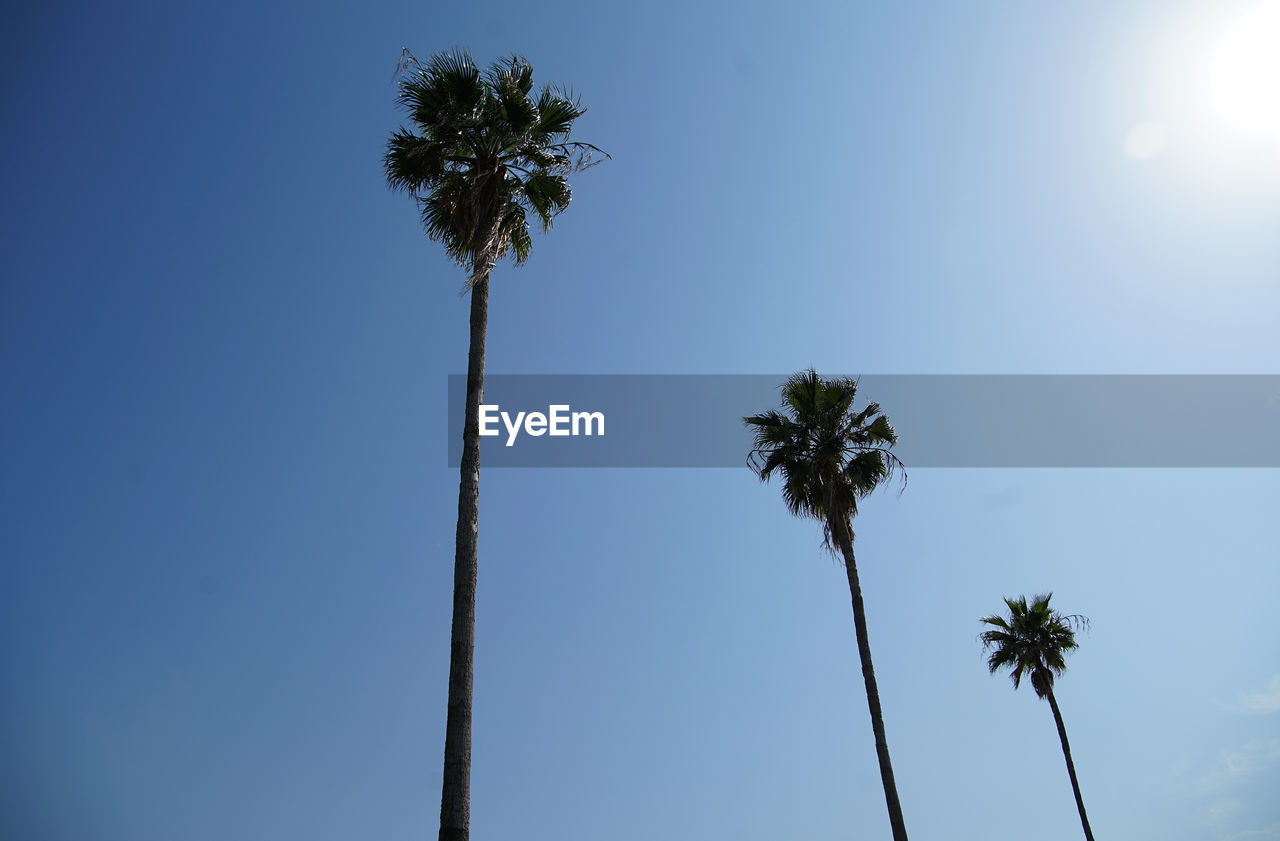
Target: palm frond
{"points": [[547, 195], [556, 114], [412, 163]]}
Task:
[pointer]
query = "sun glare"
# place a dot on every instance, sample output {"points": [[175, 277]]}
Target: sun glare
{"points": [[1244, 77], [1145, 140]]}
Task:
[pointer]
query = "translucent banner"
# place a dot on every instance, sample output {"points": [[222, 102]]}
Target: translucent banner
{"points": [[695, 420]]}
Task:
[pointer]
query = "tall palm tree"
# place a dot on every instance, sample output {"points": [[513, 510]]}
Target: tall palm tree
{"points": [[830, 457], [483, 153], [1032, 642]]}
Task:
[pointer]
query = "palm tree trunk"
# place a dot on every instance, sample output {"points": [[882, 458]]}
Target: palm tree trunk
{"points": [[845, 541], [1071, 767], [455, 798]]}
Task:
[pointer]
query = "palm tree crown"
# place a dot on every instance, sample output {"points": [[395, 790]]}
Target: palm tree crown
{"points": [[483, 154], [829, 455], [1031, 642]]}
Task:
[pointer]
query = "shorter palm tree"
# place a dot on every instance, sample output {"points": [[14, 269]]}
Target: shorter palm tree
{"points": [[1032, 642]]}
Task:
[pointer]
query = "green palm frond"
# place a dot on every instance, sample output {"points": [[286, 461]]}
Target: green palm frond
{"points": [[556, 112], [829, 456], [547, 195], [445, 93]]}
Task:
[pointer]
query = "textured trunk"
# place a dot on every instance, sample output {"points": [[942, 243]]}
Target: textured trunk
{"points": [[845, 541], [455, 798], [1071, 766]]}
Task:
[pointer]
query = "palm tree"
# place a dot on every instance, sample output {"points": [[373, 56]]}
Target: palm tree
{"points": [[1033, 642], [830, 457], [484, 152]]}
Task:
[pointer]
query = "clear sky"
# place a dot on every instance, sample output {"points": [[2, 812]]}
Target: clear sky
{"points": [[227, 533]]}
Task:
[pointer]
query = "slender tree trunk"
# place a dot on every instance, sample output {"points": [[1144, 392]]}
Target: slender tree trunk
{"points": [[455, 798], [845, 541], [1071, 766]]}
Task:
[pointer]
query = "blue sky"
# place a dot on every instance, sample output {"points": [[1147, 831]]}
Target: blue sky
{"points": [[228, 527]]}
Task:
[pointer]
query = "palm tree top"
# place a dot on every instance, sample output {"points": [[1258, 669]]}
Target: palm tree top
{"points": [[1032, 641], [483, 149], [829, 455]]}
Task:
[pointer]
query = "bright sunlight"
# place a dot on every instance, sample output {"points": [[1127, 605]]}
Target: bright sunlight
{"points": [[1245, 74]]}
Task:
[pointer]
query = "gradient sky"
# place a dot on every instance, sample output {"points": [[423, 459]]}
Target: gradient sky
{"points": [[228, 525]]}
